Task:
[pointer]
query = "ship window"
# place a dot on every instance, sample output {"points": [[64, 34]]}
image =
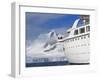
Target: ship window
{"points": [[82, 30], [84, 37], [87, 28], [75, 32]]}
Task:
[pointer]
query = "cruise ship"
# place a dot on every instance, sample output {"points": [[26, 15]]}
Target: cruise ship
{"points": [[76, 44]]}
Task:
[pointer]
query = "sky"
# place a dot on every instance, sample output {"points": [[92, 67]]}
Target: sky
{"points": [[41, 23]]}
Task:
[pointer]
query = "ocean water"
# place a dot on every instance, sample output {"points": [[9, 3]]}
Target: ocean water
{"points": [[36, 56], [51, 61], [57, 63]]}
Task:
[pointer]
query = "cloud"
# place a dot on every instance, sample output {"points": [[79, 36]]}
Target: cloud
{"points": [[35, 49]]}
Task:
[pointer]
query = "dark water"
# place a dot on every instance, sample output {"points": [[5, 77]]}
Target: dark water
{"points": [[57, 63]]}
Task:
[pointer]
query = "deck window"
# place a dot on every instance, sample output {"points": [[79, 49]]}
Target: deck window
{"points": [[75, 38], [87, 28], [82, 30], [75, 32]]}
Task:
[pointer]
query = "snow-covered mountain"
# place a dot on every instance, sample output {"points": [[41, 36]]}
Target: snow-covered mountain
{"points": [[45, 46]]}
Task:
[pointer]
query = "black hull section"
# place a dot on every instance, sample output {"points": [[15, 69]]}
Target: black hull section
{"points": [[79, 63]]}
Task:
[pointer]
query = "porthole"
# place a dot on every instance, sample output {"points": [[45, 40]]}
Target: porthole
{"points": [[75, 38], [81, 37], [84, 37]]}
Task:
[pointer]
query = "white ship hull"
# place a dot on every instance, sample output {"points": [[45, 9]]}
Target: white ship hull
{"points": [[77, 49]]}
